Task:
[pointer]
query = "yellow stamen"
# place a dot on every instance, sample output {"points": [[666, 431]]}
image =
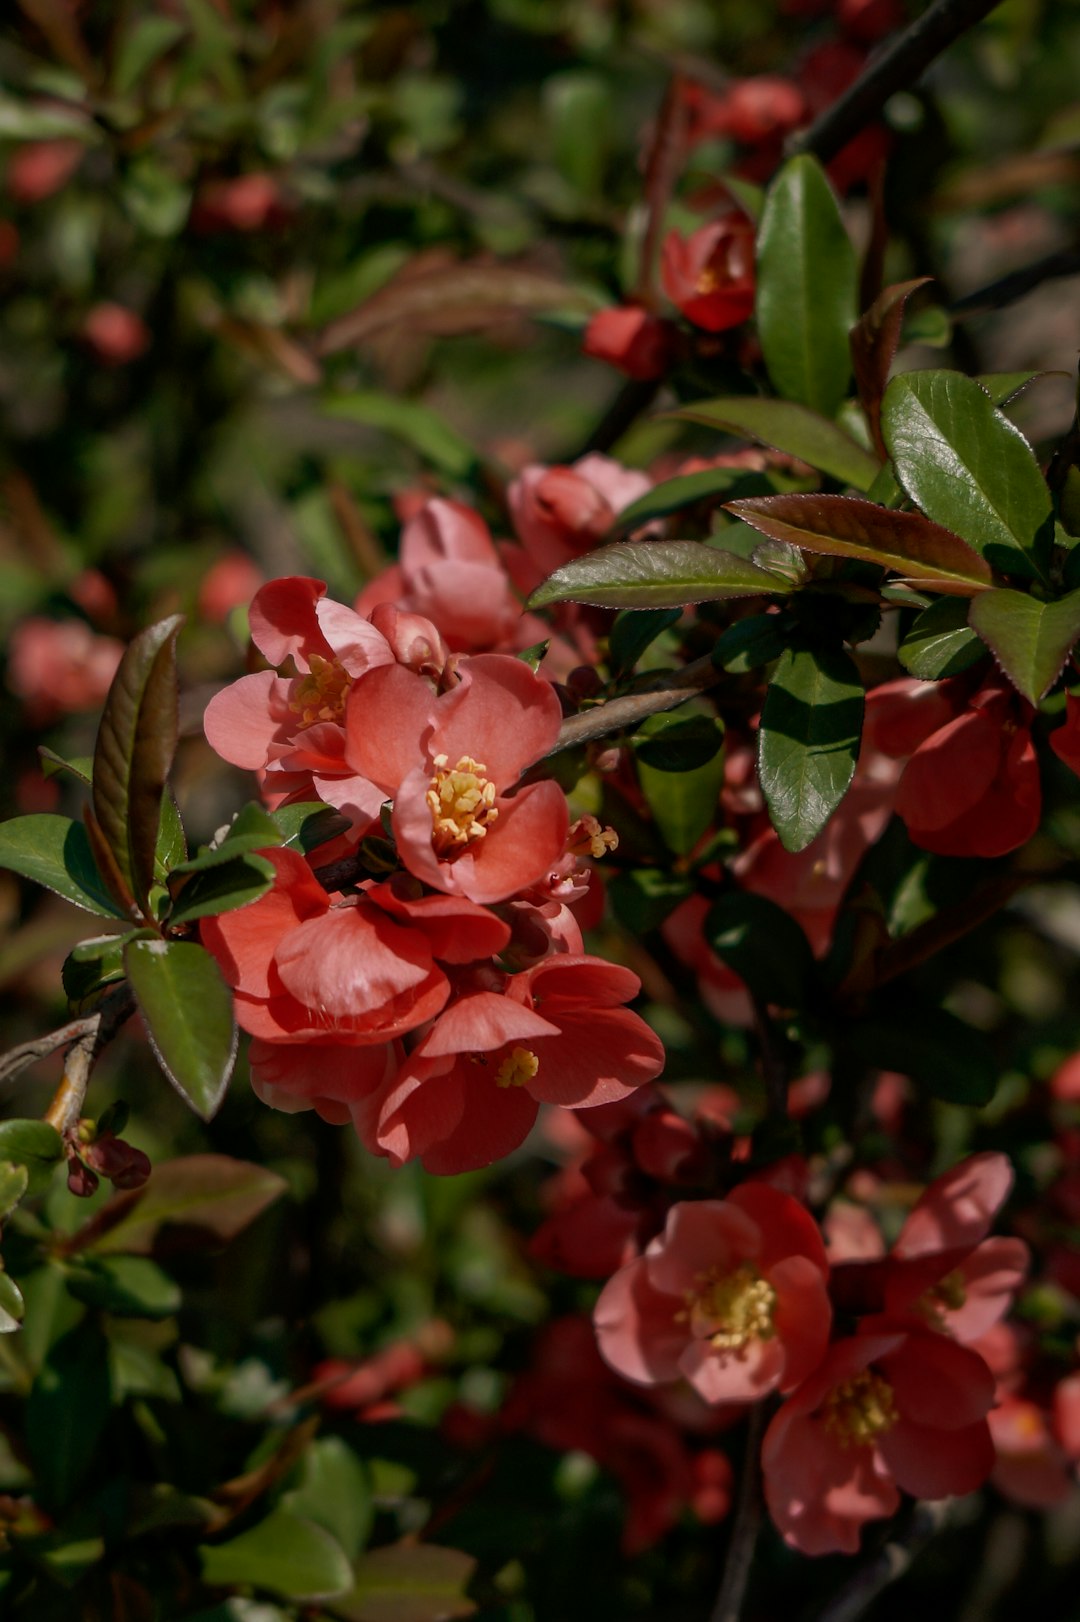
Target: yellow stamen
{"points": [[707, 281], [517, 1068], [587, 838], [462, 804], [732, 1309], [948, 1295], [321, 694], [860, 1409]]}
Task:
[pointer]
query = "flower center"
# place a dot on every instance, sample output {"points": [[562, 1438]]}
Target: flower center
{"points": [[321, 694], [462, 804], [860, 1409], [517, 1068], [732, 1309], [948, 1295], [587, 838], [708, 281]]}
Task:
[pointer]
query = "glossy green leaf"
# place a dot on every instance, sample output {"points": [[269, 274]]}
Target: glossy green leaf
{"points": [[848, 527], [130, 1286], [409, 1582], [13, 1184], [683, 801], [215, 1194], [133, 755], [171, 843], [283, 1553], [34, 1145], [55, 852], [12, 1305], [749, 644], [806, 277], [222, 887], [334, 1491], [795, 429], [763, 945], [672, 495], [946, 1057], [187, 1009], [66, 1413], [966, 465], [645, 896], [655, 574], [941, 643], [306, 827], [634, 631], [80, 767], [1030, 640], [808, 741], [92, 965]]}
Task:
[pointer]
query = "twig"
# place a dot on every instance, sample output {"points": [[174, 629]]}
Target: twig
{"points": [[773, 1069], [898, 66], [618, 713], [891, 1562], [661, 172], [632, 400], [1007, 289], [931, 937], [747, 1521], [18, 1059], [67, 1103]]}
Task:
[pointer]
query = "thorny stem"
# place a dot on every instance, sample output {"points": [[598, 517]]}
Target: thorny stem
{"points": [[891, 1562], [744, 1530], [67, 1104], [898, 66]]}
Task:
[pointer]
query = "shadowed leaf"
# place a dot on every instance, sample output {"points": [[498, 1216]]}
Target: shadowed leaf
{"points": [[212, 1193], [941, 643], [409, 1582], [55, 852], [655, 574], [284, 1554], [786, 426], [808, 742], [187, 1009], [874, 339], [1030, 640]]}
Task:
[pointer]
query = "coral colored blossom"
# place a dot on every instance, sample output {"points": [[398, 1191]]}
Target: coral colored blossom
{"points": [[732, 1297], [709, 275], [449, 761], [557, 1034], [632, 339], [888, 1411], [561, 512], [1031, 1467], [115, 334], [59, 667], [38, 169], [233, 580], [291, 727]]}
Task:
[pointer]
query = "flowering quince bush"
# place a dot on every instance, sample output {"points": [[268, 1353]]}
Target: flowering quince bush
{"points": [[579, 802]]}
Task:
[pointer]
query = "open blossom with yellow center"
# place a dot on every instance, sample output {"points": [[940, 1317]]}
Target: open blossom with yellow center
{"points": [[860, 1409], [517, 1068], [730, 1310], [321, 694], [462, 804]]}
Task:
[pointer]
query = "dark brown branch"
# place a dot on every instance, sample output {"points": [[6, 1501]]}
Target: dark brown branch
{"points": [[899, 65], [620, 713], [924, 1522], [1017, 284], [18, 1059], [744, 1532]]}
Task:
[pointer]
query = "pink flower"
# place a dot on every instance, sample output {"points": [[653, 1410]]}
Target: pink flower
{"points": [[470, 1090], [252, 202], [560, 512], [116, 335], [732, 1297], [38, 169], [1031, 1468], [709, 275], [291, 727], [234, 579], [632, 340], [449, 761], [887, 1411], [60, 667]]}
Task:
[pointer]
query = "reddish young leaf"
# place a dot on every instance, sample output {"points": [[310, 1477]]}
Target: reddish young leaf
{"points": [[874, 338], [848, 527]]}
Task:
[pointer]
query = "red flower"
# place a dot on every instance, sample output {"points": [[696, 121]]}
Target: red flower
{"points": [[560, 512], [631, 339], [59, 667], [887, 1411], [732, 1297], [116, 335], [709, 275], [1031, 1467]]}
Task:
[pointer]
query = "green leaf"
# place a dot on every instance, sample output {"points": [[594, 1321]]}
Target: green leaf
{"points": [[334, 1491], [81, 767], [683, 802], [644, 897], [12, 1305], [92, 965], [33, 1145], [808, 741], [687, 742], [966, 465], [55, 852], [789, 427], [134, 752], [409, 1582], [171, 847], [141, 45], [187, 1009], [223, 887], [1030, 640], [848, 527], [306, 827], [66, 1413], [933, 1047], [408, 420], [212, 1193], [13, 1184], [940, 643], [874, 339], [633, 631], [672, 495], [764, 945], [130, 1286], [655, 574], [806, 276], [749, 644], [284, 1554]]}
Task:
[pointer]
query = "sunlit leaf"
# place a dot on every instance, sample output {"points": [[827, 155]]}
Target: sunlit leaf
{"points": [[187, 1010], [655, 574], [789, 427], [1030, 640]]}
